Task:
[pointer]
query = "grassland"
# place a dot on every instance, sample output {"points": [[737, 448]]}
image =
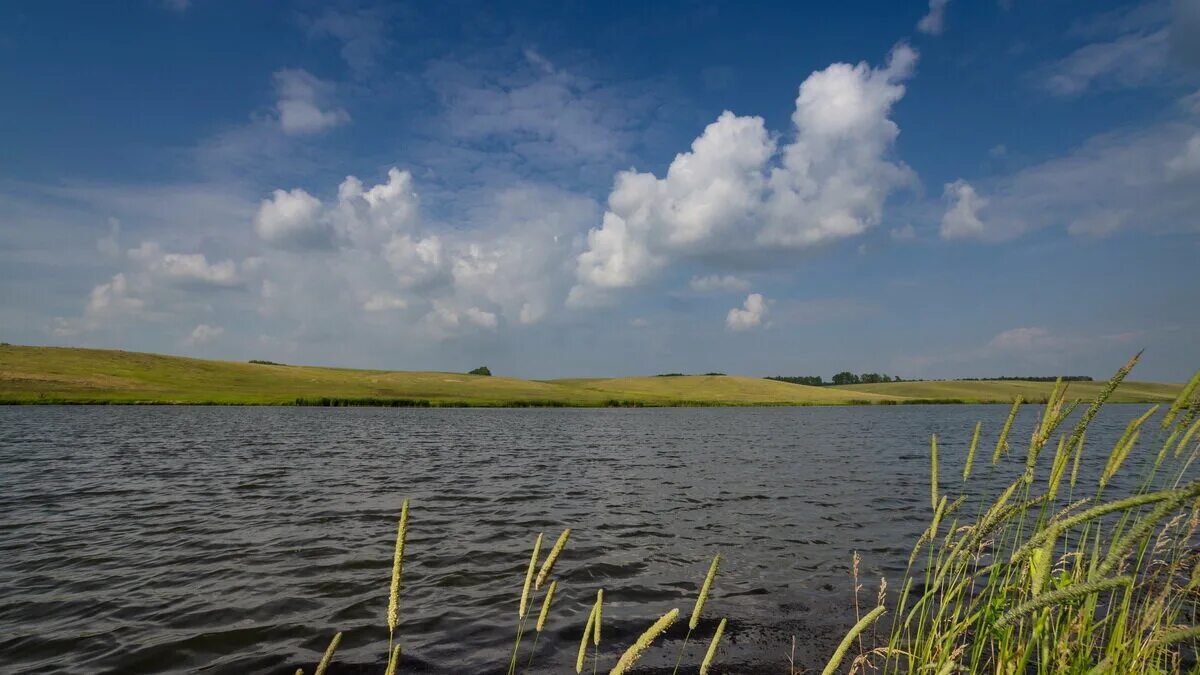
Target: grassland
{"points": [[1003, 391], [69, 375]]}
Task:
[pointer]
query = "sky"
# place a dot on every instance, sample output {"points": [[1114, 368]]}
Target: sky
{"points": [[925, 188]]}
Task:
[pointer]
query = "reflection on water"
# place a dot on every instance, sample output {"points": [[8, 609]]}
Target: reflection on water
{"points": [[238, 540]]}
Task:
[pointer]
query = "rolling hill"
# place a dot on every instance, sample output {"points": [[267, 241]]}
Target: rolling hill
{"points": [[71, 375]]}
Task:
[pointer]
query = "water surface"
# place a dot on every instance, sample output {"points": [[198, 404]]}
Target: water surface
{"points": [[238, 540]]}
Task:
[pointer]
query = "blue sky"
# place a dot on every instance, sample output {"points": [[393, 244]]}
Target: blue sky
{"points": [[930, 189]]}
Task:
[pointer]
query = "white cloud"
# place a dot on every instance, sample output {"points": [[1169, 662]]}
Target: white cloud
{"points": [[112, 299], [750, 315], [1143, 178], [184, 268], [508, 260], [717, 283], [961, 219], [934, 22], [1126, 61], [732, 194], [292, 218], [203, 334], [303, 103]]}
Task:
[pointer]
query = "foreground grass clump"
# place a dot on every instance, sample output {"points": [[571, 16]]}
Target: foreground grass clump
{"points": [[1054, 575]]}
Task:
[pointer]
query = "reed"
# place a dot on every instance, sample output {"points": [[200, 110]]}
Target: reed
{"points": [[971, 451], [541, 622], [933, 472], [844, 646], [328, 657], [548, 566], [1002, 442], [523, 609], [712, 649], [698, 607], [537, 546], [643, 643], [583, 641], [393, 661], [393, 610]]}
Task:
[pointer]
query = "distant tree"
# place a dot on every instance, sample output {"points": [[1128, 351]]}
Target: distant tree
{"points": [[714, 373], [810, 380], [846, 377], [481, 370], [669, 375]]}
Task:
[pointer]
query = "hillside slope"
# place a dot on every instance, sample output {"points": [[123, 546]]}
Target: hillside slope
{"points": [[69, 375], [1003, 391]]}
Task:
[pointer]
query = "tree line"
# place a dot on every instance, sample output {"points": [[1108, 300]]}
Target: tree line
{"points": [[844, 377]]}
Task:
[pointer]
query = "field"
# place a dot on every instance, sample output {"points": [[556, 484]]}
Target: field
{"points": [[69, 375], [992, 391]]}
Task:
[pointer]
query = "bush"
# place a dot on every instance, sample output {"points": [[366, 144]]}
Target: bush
{"points": [[481, 370]]}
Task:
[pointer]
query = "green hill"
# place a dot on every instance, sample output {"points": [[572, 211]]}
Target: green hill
{"points": [[1003, 391], [68, 375]]}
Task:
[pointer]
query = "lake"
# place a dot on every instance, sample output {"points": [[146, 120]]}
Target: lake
{"points": [[238, 540]]}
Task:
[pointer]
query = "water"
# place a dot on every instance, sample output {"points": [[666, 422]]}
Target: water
{"points": [[238, 540]]}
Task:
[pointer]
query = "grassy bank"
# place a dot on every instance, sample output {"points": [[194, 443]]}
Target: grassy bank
{"points": [[68, 375]]}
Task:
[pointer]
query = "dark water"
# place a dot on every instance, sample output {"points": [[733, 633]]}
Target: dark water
{"points": [[238, 540]]}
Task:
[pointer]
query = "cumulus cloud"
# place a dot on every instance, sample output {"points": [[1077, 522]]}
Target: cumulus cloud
{"points": [[292, 218], [933, 23], [303, 105], [717, 283], [961, 219], [736, 192], [507, 261], [750, 315], [203, 334]]}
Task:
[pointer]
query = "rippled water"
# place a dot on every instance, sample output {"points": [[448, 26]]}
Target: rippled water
{"points": [[238, 540]]}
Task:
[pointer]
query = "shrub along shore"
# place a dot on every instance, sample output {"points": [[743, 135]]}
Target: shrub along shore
{"points": [[59, 375]]}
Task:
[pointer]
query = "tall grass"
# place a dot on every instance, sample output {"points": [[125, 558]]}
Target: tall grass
{"points": [[1042, 581]]}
